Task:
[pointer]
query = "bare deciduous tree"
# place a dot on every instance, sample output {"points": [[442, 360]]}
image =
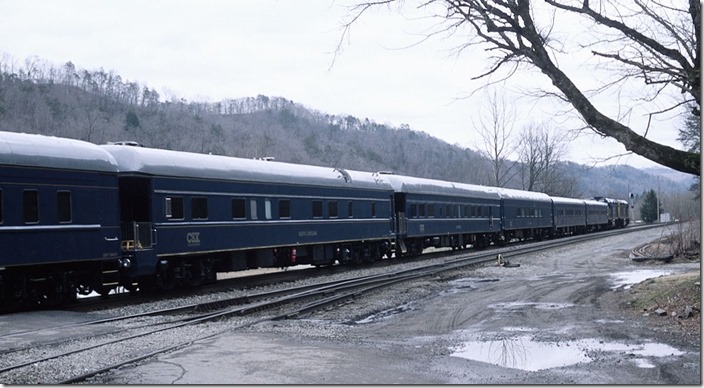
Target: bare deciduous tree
{"points": [[540, 150], [496, 122], [654, 42]]}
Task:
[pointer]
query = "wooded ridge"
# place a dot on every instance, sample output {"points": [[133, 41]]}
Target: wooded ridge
{"points": [[101, 107]]}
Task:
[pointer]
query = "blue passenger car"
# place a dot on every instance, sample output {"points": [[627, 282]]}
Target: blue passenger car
{"points": [[436, 213], [597, 215], [526, 214], [186, 216], [59, 224], [570, 215]]}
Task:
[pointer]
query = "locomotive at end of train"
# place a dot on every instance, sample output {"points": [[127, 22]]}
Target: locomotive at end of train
{"points": [[77, 218]]}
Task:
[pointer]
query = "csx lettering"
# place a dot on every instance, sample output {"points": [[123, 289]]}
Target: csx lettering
{"points": [[193, 238]]}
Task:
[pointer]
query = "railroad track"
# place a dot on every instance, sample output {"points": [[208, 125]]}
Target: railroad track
{"points": [[240, 283], [228, 314]]}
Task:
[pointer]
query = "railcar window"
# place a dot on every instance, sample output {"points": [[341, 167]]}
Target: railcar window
{"points": [[349, 209], [253, 208], [414, 210], [0, 206], [332, 209], [238, 208], [317, 209], [284, 208], [448, 211], [467, 211], [199, 208], [30, 206], [174, 208], [267, 209], [431, 210], [63, 206], [421, 210], [373, 209]]}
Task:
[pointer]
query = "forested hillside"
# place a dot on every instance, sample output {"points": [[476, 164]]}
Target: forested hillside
{"points": [[99, 106]]}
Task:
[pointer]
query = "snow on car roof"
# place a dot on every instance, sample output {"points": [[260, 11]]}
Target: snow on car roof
{"points": [[409, 184], [523, 194], [567, 201], [591, 202], [161, 162], [23, 149]]}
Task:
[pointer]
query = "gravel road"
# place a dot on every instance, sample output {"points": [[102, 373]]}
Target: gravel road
{"points": [[555, 319]]}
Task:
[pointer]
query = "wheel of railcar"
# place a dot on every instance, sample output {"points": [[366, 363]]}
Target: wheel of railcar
{"points": [[194, 274], [419, 248], [53, 290], [104, 291], [83, 289], [388, 253], [357, 256], [166, 278], [148, 284], [131, 287]]}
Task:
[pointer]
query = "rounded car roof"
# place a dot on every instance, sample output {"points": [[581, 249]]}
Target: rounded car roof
{"points": [[158, 162], [23, 149], [591, 202], [409, 184], [523, 194], [567, 201]]}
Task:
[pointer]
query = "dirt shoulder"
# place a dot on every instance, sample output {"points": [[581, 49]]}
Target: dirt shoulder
{"points": [[671, 303]]}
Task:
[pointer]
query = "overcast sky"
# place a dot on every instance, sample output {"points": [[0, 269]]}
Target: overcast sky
{"points": [[212, 50]]}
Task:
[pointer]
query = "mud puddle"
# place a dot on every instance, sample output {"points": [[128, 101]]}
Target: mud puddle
{"points": [[526, 353]]}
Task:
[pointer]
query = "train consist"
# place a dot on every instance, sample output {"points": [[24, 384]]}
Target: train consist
{"points": [[77, 217]]}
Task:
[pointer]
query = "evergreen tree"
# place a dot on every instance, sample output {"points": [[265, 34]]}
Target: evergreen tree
{"points": [[131, 120], [649, 207]]}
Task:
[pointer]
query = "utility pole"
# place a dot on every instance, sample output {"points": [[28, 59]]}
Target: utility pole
{"points": [[657, 199]]}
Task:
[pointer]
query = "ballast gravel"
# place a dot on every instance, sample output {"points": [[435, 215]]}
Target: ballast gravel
{"points": [[342, 326], [61, 369]]}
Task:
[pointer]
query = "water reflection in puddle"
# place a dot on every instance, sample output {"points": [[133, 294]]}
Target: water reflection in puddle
{"points": [[522, 352], [627, 279]]}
